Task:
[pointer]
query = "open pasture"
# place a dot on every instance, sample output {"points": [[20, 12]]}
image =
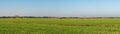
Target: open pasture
{"points": [[59, 26]]}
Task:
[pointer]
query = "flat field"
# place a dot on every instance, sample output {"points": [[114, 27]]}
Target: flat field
{"points": [[59, 26]]}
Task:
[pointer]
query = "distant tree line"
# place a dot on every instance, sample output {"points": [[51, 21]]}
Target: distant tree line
{"points": [[53, 17]]}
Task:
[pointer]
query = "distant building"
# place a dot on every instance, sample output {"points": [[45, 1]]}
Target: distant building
{"points": [[17, 16]]}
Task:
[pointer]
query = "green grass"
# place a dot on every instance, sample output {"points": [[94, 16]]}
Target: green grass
{"points": [[59, 26]]}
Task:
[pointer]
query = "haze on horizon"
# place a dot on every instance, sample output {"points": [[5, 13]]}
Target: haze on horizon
{"points": [[71, 8]]}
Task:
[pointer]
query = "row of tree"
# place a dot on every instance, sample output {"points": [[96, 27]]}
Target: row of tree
{"points": [[53, 17]]}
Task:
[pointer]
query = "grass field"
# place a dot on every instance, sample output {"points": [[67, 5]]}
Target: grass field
{"points": [[59, 26]]}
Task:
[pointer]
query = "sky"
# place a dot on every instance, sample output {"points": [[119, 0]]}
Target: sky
{"points": [[66, 8]]}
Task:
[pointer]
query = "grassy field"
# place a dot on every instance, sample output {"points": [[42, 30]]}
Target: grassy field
{"points": [[59, 26]]}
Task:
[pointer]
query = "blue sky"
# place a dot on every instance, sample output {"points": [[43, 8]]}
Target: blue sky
{"points": [[73, 8]]}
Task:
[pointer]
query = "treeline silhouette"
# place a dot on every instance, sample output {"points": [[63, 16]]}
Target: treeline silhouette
{"points": [[53, 17]]}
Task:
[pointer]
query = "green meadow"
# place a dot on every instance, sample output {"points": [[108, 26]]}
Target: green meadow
{"points": [[59, 26]]}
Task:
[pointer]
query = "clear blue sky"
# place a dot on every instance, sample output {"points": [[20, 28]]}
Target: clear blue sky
{"points": [[73, 8]]}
